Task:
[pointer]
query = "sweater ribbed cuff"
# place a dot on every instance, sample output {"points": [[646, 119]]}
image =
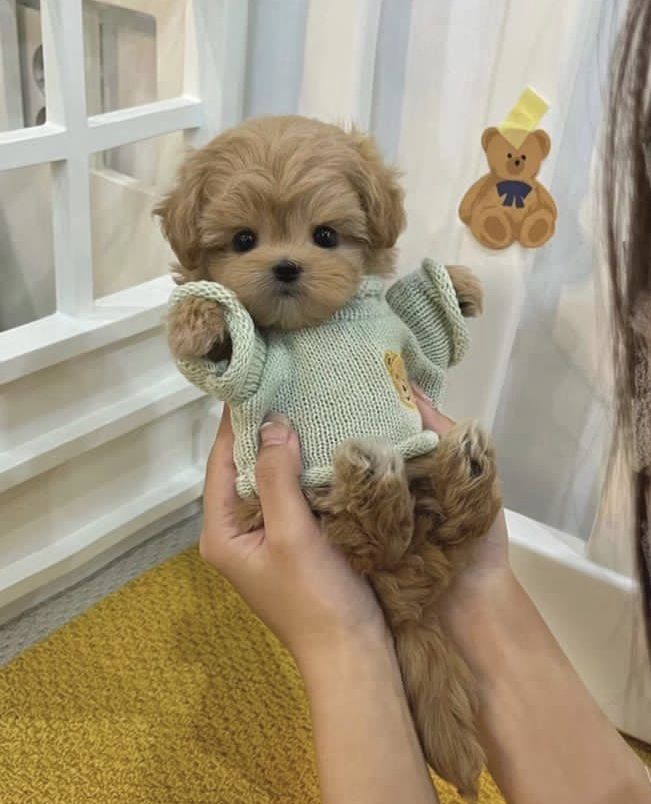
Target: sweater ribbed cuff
{"points": [[427, 302], [238, 378]]}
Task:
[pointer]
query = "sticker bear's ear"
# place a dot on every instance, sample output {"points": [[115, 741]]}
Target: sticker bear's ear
{"points": [[544, 141], [487, 136]]}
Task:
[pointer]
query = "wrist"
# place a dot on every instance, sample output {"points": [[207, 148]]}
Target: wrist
{"points": [[489, 620], [478, 599], [344, 654]]}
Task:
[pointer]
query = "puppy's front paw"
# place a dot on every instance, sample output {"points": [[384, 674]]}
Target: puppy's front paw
{"points": [[468, 289], [194, 326]]}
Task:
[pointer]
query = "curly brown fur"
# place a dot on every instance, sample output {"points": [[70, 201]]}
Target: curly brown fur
{"points": [[464, 485], [468, 289], [194, 327], [406, 526], [369, 498], [281, 178], [401, 526], [396, 528]]}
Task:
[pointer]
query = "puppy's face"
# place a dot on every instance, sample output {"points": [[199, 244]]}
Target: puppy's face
{"points": [[290, 243], [287, 212]]}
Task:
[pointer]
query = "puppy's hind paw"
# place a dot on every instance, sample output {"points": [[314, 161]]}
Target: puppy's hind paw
{"points": [[368, 461], [370, 506], [465, 480], [477, 451]]}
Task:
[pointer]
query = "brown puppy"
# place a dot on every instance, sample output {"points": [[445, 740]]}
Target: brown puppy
{"points": [[288, 190]]}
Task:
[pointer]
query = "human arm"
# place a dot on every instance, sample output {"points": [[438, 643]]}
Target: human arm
{"points": [[214, 341], [544, 735], [329, 619]]}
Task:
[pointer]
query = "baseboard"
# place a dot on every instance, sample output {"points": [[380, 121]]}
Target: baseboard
{"points": [[24, 603]]}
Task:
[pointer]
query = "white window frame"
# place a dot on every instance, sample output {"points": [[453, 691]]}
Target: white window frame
{"points": [[215, 58]]}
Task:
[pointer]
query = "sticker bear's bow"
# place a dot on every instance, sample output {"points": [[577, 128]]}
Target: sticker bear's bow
{"points": [[515, 192]]}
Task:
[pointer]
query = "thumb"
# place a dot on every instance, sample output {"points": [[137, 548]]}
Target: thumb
{"points": [[278, 469], [431, 416]]}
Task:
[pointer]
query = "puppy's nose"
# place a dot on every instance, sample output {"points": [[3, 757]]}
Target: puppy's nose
{"points": [[286, 271], [517, 162]]}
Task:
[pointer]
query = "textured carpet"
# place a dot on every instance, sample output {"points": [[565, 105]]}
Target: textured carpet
{"points": [[167, 692]]}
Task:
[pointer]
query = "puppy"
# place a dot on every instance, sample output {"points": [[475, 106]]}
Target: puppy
{"points": [[283, 226]]}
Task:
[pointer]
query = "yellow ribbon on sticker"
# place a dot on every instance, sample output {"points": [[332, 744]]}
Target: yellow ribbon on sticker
{"points": [[523, 117]]}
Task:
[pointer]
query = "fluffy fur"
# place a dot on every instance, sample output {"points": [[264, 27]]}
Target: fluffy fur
{"points": [[407, 527]]}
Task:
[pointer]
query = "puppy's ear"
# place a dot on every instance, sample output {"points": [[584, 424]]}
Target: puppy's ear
{"points": [[381, 195], [179, 212]]}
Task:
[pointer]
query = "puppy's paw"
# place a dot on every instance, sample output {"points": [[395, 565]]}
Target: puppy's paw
{"points": [[465, 483], [194, 327], [476, 452], [468, 289], [370, 506], [371, 467]]}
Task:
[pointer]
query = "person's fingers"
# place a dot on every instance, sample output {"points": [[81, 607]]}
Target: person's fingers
{"points": [[278, 469], [219, 496], [432, 418]]}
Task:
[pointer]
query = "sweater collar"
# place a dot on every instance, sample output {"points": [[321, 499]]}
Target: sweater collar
{"points": [[371, 290], [371, 287]]}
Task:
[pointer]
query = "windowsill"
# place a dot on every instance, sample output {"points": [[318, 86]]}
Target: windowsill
{"points": [[55, 338]]}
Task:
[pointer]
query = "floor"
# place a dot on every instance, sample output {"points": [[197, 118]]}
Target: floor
{"points": [[34, 625]]}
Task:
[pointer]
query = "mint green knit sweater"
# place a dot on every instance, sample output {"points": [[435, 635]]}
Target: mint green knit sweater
{"points": [[345, 378]]}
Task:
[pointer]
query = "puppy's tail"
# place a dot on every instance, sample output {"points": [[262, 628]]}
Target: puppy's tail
{"points": [[441, 693]]}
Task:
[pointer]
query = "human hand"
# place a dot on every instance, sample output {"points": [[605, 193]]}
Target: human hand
{"points": [[296, 582]]}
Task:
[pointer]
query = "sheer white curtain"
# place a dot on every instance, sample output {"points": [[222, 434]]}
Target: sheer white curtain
{"points": [[441, 72], [553, 422], [539, 352]]}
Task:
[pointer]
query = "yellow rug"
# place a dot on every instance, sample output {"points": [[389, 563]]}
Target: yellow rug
{"points": [[167, 692]]}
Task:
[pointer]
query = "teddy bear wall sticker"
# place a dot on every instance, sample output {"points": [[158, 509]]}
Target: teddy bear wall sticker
{"points": [[508, 203]]}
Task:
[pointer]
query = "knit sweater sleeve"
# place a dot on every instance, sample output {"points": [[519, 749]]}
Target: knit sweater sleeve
{"points": [[427, 303], [236, 379]]}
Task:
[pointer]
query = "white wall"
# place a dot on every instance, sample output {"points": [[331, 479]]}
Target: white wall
{"points": [[100, 434], [102, 442]]}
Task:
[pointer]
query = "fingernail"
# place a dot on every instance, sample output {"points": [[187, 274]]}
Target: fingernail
{"points": [[275, 429]]}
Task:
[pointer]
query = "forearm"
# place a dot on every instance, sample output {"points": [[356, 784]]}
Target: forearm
{"points": [[544, 736], [366, 746]]}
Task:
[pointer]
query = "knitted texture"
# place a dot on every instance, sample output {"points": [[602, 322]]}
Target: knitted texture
{"points": [[237, 379], [170, 691], [346, 378], [444, 335]]}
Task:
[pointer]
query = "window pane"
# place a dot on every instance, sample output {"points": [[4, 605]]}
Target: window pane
{"points": [[133, 55], [22, 83], [26, 262], [125, 183]]}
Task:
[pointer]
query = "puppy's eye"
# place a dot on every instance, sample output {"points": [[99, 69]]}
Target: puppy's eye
{"points": [[325, 237], [244, 240], [524, 157], [509, 156]]}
